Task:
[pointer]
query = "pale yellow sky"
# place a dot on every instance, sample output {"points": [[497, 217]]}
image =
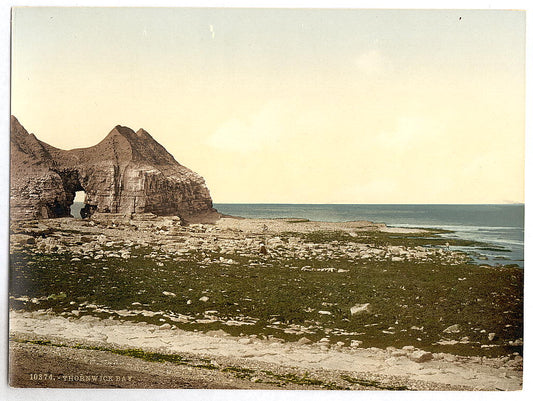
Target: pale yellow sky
{"points": [[290, 106]]}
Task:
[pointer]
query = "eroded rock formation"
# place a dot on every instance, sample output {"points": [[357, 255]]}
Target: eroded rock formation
{"points": [[128, 172]]}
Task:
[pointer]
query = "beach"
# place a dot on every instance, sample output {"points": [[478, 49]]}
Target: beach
{"points": [[258, 303]]}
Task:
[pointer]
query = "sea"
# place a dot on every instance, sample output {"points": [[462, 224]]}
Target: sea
{"points": [[499, 226]]}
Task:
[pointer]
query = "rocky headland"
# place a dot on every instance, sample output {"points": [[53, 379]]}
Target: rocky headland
{"points": [[127, 172]]}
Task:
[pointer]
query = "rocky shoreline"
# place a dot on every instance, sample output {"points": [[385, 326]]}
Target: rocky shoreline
{"points": [[280, 303], [231, 236]]}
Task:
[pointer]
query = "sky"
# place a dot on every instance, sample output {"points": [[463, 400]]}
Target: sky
{"points": [[289, 105]]}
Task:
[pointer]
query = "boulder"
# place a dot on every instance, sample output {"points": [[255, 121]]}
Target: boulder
{"points": [[399, 353], [304, 340], [360, 308], [421, 356], [454, 328]]}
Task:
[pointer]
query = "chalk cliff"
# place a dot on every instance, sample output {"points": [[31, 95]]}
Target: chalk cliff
{"points": [[127, 172]]}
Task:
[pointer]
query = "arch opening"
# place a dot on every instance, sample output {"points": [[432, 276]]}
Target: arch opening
{"points": [[78, 204], [76, 196]]}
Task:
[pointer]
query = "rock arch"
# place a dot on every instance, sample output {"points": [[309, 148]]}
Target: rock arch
{"points": [[127, 172]]}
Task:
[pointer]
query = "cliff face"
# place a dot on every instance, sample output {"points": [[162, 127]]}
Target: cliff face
{"points": [[128, 172]]}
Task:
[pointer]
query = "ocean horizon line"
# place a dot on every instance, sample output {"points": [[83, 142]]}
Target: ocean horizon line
{"points": [[374, 204]]}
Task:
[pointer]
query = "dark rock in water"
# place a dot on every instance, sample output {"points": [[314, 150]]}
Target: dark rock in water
{"points": [[128, 172], [87, 211]]}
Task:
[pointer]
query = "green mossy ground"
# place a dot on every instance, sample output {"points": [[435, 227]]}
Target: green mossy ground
{"points": [[412, 303]]}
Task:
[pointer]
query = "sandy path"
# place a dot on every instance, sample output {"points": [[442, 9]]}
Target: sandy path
{"points": [[79, 368], [446, 370]]}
